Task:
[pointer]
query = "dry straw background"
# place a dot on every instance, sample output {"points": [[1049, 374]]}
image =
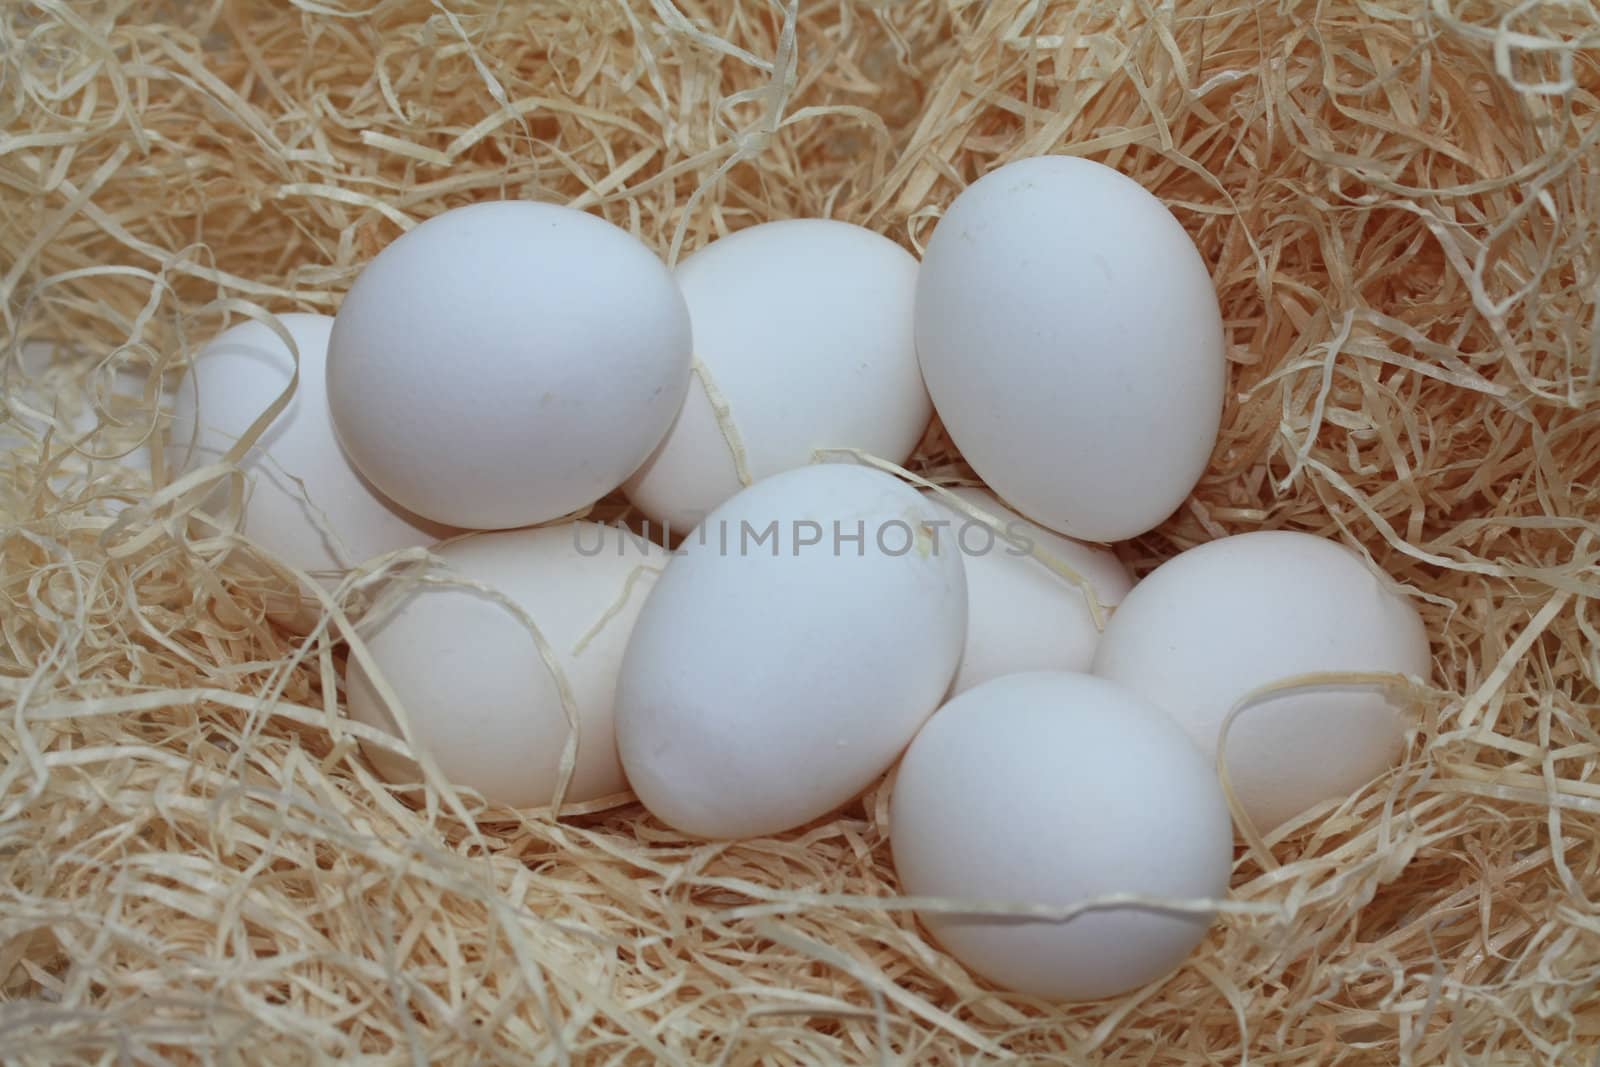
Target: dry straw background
{"points": [[1400, 204]]}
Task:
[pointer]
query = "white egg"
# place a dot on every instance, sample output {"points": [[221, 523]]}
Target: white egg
{"points": [[789, 652], [507, 363], [480, 698], [1021, 615], [1054, 789], [804, 327], [1216, 622], [1071, 341], [306, 503]]}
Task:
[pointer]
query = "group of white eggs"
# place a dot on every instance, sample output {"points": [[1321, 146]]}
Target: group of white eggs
{"points": [[507, 364]]}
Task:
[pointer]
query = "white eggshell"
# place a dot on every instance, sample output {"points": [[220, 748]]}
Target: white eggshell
{"points": [[1021, 615], [768, 683], [507, 363], [1071, 341], [480, 698], [305, 502], [1212, 624], [1054, 789], [805, 328]]}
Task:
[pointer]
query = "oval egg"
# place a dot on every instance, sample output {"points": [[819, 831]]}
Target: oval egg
{"points": [[1054, 789], [803, 633], [507, 363], [803, 328], [1070, 338], [305, 502], [478, 695], [1021, 615], [1218, 621]]}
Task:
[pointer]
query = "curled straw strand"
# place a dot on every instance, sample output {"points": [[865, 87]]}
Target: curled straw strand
{"points": [[1399, 204]]}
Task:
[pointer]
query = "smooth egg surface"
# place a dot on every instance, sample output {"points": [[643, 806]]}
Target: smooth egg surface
{"points": [[1055, 789], [1218, 621], [804, 329], [507, 363], [1021, 615], [1071, 341], [788, 654], [469, 675], [305, 502]]}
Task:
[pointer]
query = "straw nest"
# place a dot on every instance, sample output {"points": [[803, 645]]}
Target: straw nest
{"points": [[1400, 206]]}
